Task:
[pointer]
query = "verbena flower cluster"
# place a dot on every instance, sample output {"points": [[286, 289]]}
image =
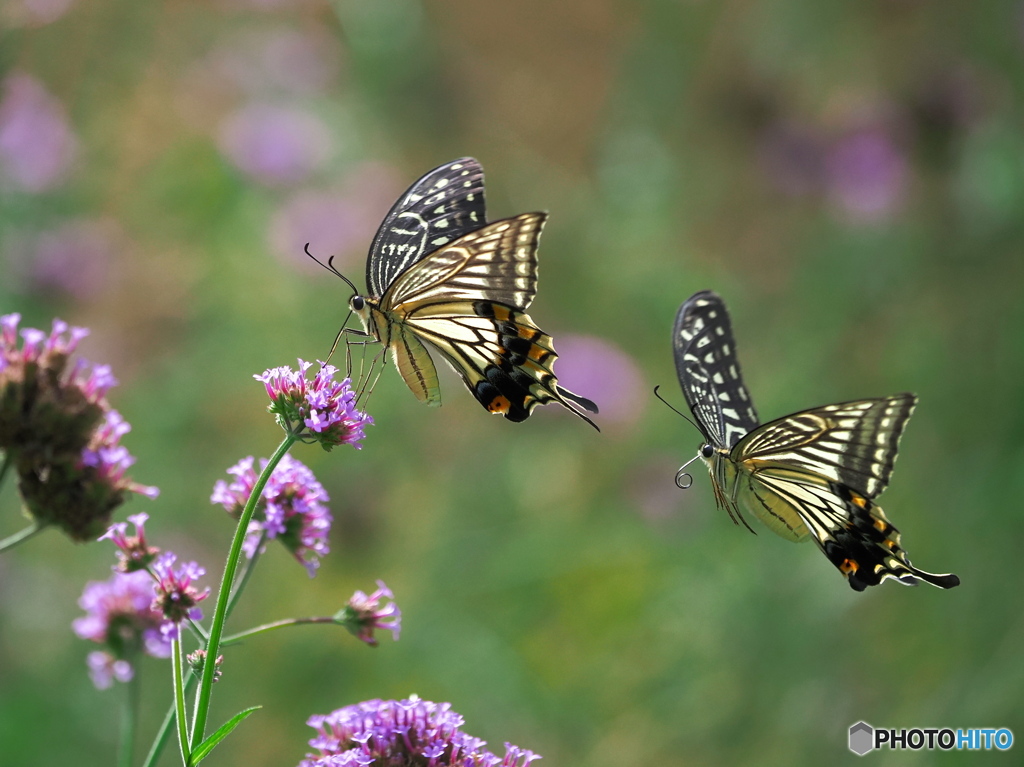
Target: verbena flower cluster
{"points": [[320, 410], [176, 597], [401, 733], [120, 615], [59, 432], [364, 614], [291, 508]]}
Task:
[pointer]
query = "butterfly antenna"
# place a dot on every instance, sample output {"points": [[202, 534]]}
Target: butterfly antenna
{"points": [[329, 266], [676, 411]]}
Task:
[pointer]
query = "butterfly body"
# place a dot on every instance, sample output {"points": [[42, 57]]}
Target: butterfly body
{"points": [[440, 275], [811, 475]]}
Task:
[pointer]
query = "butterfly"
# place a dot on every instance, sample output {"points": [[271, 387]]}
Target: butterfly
{"points": [[437, 273], [813, 474]]}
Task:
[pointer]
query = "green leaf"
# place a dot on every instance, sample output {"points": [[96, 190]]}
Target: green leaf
{"points": [[203, 749]]}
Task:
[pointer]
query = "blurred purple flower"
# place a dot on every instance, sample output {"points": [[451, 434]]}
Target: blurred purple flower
{"points": [[291, 508], [322, 410], [364, 614], [276, 145], [120, 616], [36, 145], [32, 13], [603, 372], [791, 156], [336, 222], [73, 258], [402, 732], [176, 599], [266, 62], [866, 174]]}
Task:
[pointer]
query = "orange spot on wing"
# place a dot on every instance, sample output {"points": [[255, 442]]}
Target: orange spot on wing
{"points": [[501, 313], [859, 500], [499, 405], [880, 525], [848, 566]]}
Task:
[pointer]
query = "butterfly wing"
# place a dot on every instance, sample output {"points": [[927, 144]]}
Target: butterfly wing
{"points": [[848, 527], [817, 472], [468, 299], [851, 443], [709, 372], [437, 209]]}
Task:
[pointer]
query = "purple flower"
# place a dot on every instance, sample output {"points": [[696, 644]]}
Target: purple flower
{"points": [[33, 13], [105, 669], [276, 60], [135, 554], [120, 616], [322, 410], [291, 508], [60, 432], [867, 174], [72, 259], [605, 373], [274, 144], [36, 145], [336, 222], [176, 599], [405, 732], [364, 614]]}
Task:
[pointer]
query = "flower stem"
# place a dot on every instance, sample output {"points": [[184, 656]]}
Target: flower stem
{"points": [[179, 703], [11, 541], [250, 565], [129, 719], [275, 625], [165, 728], [220, 613], [4, 468]]}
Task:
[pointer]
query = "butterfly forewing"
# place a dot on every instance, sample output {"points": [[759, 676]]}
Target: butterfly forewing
{"points": [[853, 443], [436, 210], [709, 373], [495, 263]]}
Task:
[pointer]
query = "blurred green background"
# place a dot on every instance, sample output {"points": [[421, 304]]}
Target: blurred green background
{"points": [[849, 176]]}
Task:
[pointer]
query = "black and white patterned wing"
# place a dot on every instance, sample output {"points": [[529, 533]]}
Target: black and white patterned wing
{"points": [[440, 207], [851, 443], [849, 528], [709, 373]]}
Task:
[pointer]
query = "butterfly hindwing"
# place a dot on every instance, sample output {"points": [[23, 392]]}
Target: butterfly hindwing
{"points": [[437, 209], [709, 372], [850, 529]]}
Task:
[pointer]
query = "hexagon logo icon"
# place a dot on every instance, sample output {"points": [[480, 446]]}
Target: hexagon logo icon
{"points": [[862, 738]]}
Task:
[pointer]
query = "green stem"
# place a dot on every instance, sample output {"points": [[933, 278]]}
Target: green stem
{"points": [[220, 613], [4, 468], [179, 703], [275, 625], [11, 541], [250, 565], [165, 728], [129, 720]]}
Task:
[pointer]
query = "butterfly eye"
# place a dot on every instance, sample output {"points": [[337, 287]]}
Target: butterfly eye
{"points": [[357, 303], [706, 450]]}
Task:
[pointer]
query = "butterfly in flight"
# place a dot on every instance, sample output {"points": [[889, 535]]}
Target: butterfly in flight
{"points": [[438, 273], [813, 474]]}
